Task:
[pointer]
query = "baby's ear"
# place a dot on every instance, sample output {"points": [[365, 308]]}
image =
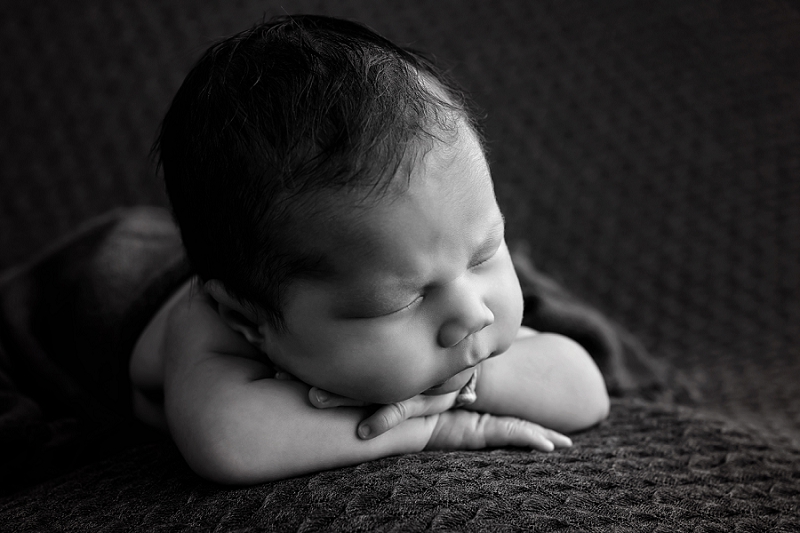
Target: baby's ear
{"points": [[239, 316]]}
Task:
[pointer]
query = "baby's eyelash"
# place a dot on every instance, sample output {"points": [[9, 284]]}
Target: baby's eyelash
{"points": [[415, 300], [488, 249], [485, 259], [371, 315], [479, 263], [390, 313]]}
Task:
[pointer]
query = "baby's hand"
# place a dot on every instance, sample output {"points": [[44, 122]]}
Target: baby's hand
{"points": [[387, 416], [468, 430]]}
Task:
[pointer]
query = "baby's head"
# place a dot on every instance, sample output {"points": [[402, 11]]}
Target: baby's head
{"points": [[332, 191]]}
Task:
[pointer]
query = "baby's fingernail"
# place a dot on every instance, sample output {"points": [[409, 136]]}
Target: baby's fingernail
{"points": [[569, 441], [322, 396], [364, 431]]}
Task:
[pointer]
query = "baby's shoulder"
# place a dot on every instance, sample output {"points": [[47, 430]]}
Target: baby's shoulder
{"points": [[187, 327], [147, 359], [194, 328]]}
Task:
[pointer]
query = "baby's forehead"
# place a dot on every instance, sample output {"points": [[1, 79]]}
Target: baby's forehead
{"points": [[343, 224]]}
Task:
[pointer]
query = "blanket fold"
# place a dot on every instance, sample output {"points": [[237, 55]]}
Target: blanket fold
{"points": [[68, 322]]}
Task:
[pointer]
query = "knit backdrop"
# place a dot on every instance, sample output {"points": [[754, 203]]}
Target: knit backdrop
{"points": [[645, 154]]}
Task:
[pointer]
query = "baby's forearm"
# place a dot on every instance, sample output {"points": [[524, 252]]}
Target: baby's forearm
{"points": [[267, 430], [547, 379]]}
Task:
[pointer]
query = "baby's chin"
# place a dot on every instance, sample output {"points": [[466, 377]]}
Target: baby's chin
{"points": [[453, 384]]}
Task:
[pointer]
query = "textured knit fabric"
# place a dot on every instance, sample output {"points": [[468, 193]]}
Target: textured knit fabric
{"points": [[648, 468]]}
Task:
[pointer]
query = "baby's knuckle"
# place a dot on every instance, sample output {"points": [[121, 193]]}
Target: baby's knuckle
{"points": [[401, 409], [507, 427], [482, 421], [392, 415], [510, 427]]}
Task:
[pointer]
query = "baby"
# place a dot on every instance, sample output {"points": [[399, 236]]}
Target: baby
{"points": [[354, 297]]}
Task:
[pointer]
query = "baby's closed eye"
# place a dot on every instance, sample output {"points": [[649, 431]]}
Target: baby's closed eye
{"points": [[395, 309]]}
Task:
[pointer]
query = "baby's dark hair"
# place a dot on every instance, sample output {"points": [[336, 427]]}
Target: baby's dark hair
{"points": [[272, 121]]}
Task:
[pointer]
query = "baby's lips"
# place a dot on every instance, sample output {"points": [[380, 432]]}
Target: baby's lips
{"points": [[440, 385]]}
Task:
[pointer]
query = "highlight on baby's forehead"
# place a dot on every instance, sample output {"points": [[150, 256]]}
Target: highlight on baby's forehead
{"points": [[341, 225]]}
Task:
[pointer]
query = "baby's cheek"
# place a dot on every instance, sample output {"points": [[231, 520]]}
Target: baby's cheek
{"points": [[510, 306], [391, 363]]}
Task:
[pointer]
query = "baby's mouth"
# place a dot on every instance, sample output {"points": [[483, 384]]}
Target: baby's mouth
{"points": [[457, 381], [440, 385]]}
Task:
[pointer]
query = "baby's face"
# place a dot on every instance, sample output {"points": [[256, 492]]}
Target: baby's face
{"points": [[423, 291]]}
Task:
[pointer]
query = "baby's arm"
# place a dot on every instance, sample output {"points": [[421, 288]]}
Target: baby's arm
{"points": [[543, 382], [548, 379], [234, 424]]}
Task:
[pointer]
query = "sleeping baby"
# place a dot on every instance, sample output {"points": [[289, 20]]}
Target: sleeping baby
{"points": [[354, 296]]}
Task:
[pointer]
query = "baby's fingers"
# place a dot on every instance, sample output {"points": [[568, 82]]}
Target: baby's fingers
{"points": [[509, 431], [547, 440], [393, 414], [322, 399], [561, 441], [385, 418]]}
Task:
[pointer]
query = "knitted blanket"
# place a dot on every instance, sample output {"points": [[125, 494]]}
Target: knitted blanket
{"points": [[649, 467]]}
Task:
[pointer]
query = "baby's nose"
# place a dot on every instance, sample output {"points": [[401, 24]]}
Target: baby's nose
{"points": [[470, 320]]}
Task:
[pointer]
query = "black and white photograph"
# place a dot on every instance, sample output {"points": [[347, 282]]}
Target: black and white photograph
{"points": [[400, 266]]}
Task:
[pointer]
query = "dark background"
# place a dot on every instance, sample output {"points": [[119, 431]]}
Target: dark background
{"points": [[647, 152]]}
